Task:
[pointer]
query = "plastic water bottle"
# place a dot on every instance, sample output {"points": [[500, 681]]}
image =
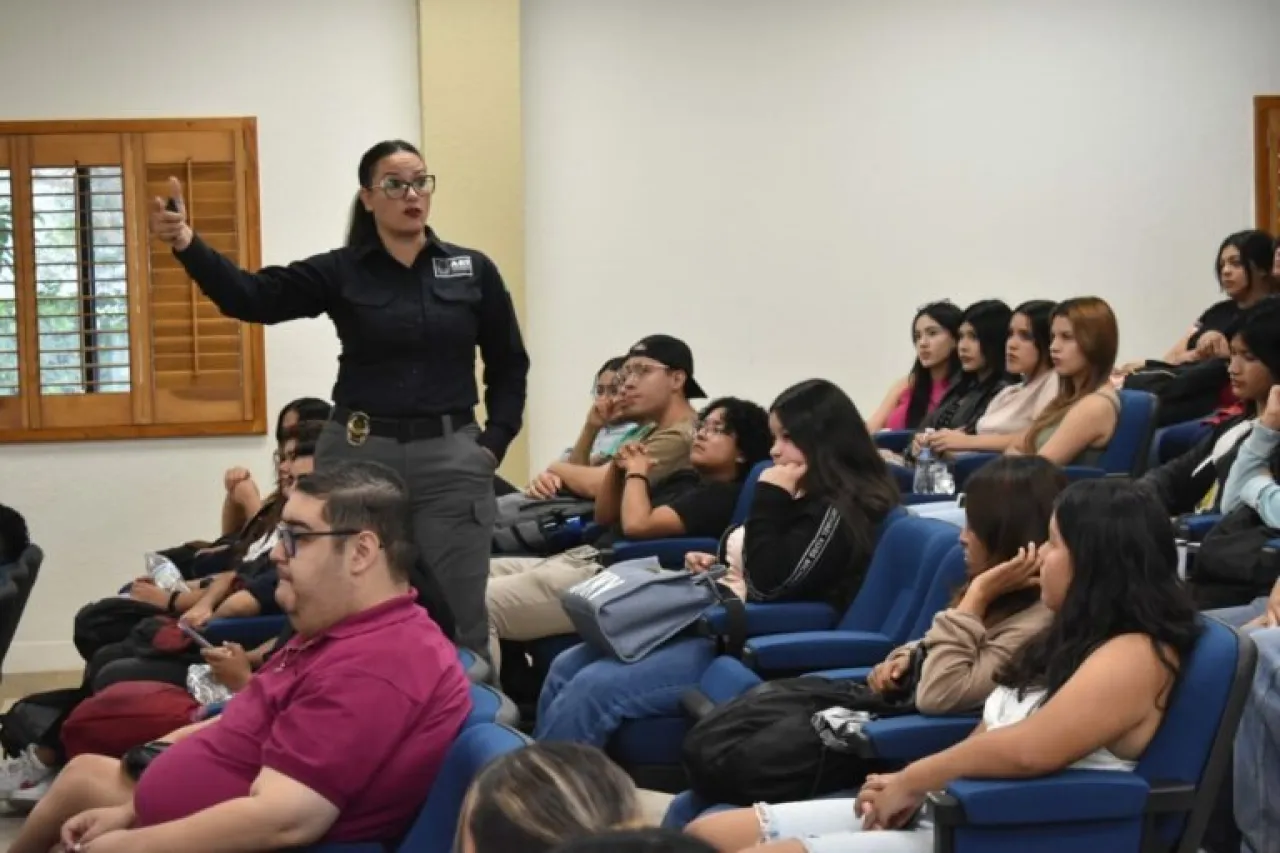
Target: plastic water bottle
{"points": [[932, 476], [165, 573]]}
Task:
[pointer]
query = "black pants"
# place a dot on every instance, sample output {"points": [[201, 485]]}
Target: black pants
{"points": [[450, 482]]}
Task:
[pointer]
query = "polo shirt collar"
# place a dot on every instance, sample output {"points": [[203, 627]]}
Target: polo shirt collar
{"points": [[390, 612], [435, 246]]}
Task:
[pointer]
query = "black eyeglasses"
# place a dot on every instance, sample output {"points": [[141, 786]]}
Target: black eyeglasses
{"points": [[289, 537], [711, 427], [394, 187]]}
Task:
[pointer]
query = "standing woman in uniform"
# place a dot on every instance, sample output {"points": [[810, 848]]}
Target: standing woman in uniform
{"points": [[410, 310]]}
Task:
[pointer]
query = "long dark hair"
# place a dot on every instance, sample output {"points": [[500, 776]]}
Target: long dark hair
{"points": [[1124, 581], [361, 228], [749, 426], [1098, 336], [947, 315], [1008, 504], [990, 320], [844, 467], [307, 409], [1039, 313], [1257, 254]]}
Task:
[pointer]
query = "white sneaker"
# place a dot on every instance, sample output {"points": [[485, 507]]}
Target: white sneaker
{"points": [[25, 771], [25, 799]]}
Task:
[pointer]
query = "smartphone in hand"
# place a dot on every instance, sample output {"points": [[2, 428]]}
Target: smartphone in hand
{"points": [[195, 635]]}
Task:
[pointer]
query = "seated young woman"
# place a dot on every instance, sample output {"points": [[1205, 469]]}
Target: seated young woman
{"points": [[934, 331], [1196, 480], [809, 537], [1011, 411], [1089, 692], [244, 499], [1076, 427], [983, 329], [998, 609], [1243, 268], [534, 798], [732, 437]]}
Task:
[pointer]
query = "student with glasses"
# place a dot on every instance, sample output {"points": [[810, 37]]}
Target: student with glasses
{"points": [[410, 311]]}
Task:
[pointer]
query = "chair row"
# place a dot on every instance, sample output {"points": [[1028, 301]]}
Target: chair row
{"points": [[1165, 804]]}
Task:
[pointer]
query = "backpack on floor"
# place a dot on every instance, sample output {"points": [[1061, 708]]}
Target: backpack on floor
{"points": [[35, 720], [763, 746], [125, 715]]}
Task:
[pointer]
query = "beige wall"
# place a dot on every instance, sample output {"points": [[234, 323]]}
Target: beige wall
{"points": [[469, 53]]}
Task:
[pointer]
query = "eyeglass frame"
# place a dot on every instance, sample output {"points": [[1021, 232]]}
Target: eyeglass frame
{"points": [[428, 186], [289, 538]]}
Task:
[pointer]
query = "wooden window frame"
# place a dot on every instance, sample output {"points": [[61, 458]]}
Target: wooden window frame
{"points": [[1266, 124], [139, 251]]}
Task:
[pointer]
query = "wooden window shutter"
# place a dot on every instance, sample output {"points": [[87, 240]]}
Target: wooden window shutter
{"points": [[102, 334], [1267, 157], [206, 368]]}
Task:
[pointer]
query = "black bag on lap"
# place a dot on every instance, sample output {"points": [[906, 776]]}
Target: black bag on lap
{"points": [[1185, 391], [763, 745], [1228, 568]]}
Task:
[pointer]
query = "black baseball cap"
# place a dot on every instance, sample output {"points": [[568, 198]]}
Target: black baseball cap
{"points": [[673, 353]]}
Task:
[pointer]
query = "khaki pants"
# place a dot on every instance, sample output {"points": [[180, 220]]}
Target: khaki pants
{"points": [[523, 596]]}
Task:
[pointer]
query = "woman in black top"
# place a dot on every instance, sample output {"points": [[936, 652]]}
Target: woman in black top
{"points": [[1243, 270], [410, 311]]}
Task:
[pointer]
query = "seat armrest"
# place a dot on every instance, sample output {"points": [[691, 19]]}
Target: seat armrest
{"points": [[896, 440], [810, 650], [727, 678], [905, 739], [782, 618], [1083, 472], [670, 552], [1072, 796]]}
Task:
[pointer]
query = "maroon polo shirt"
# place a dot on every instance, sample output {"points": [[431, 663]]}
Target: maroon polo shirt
{"points": [[362, 714]]}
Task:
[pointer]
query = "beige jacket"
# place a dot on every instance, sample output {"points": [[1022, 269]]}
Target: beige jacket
{"points": [[964, 656]]}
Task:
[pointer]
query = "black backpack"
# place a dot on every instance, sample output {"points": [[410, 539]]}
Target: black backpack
{"points": [[37, 720], [1185, 391], [542, 527], [763, 747]]}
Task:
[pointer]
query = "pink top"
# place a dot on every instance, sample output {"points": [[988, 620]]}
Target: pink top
{"points": [[362, 714], [898, 417]]}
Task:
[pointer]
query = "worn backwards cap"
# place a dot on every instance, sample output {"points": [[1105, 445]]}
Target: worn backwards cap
{"points": [[673, 353]]}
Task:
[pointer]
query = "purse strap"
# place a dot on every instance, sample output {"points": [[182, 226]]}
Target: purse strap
{"points": [[734, 640]]}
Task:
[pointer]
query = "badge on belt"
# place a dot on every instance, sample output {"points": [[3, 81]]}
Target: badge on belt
{"points": [[358, 429]]}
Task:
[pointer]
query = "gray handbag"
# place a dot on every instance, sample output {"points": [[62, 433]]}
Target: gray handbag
{"points": [[631, 608]]}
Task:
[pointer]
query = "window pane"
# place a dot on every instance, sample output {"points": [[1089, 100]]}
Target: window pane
{"points": [[82, 307], [8, 292]]}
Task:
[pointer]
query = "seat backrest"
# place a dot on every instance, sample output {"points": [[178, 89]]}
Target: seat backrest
{"points": [[1126, 453], [31, 558], [1194, 742], [906, 559], [742, 508], [14, 589], [437, 823], [950, 575]]}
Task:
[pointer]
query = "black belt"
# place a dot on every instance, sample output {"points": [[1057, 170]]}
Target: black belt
{"points": [[360, 426]]}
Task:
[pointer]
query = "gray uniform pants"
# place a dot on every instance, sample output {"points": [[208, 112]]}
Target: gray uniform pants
{"points": [[450, 482]]}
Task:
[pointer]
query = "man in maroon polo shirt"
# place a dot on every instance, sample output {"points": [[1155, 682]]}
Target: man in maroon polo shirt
{"points": [[339, 736]]}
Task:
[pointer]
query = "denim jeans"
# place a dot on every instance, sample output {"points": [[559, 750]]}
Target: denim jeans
{"points": [[588, 695], [1256, 770]]}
